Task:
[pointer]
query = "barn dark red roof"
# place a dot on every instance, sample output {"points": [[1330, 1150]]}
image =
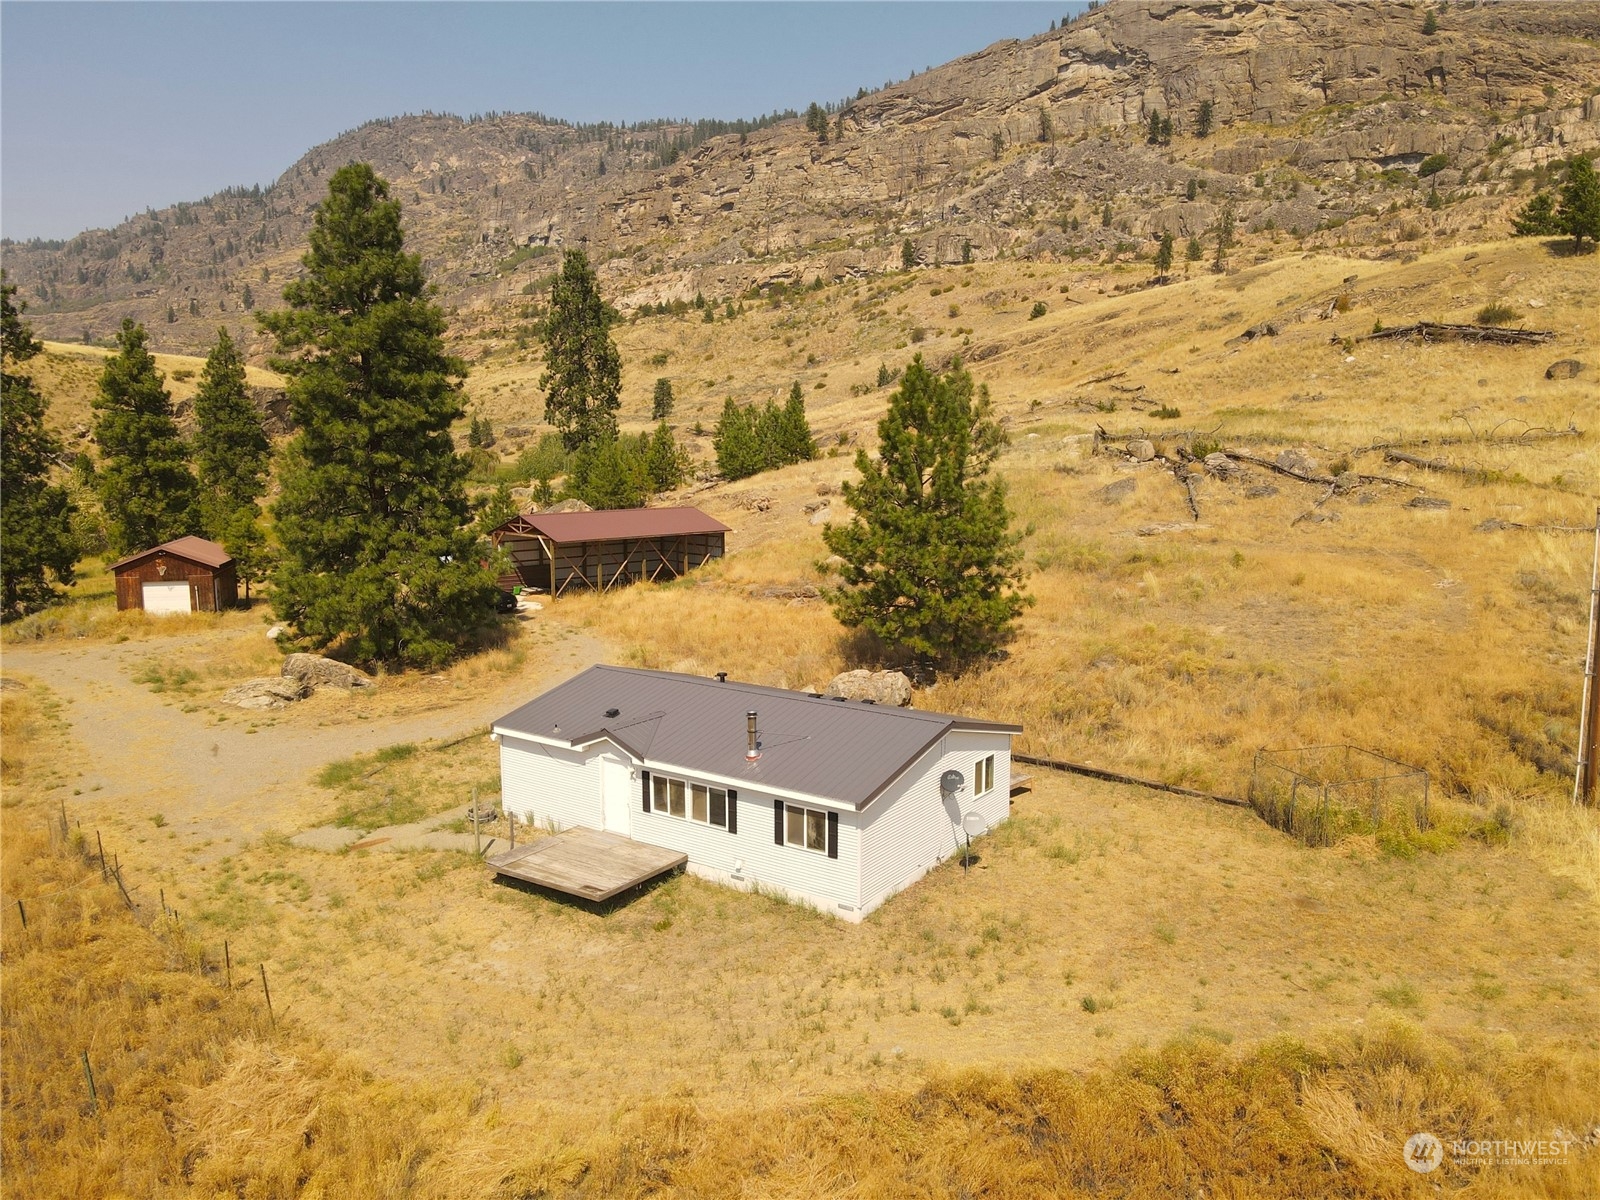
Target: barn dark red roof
{"points": [[616, 523], [195, 549]]}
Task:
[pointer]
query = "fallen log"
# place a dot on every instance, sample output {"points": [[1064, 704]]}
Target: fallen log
{"points": [[1534, 433], [1269, 465], [1479, 474], [1435, 331]]}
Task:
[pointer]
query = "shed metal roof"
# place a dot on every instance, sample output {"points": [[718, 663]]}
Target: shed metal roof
{"points": [[615, 523], [844, 751], [195, 549]]}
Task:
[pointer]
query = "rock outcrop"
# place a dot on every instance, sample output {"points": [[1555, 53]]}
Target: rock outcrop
{"points": [[316, 671], [880, 687], [270, 691]]}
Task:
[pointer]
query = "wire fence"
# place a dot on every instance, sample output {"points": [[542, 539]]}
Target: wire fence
{"points": [[1320, 794]]}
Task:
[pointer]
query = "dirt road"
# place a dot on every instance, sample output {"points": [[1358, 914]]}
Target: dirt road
{"points": [[220, 775]]}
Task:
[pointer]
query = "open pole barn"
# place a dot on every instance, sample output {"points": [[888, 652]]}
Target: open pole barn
{"points": [[188, 574], [555, 552]]}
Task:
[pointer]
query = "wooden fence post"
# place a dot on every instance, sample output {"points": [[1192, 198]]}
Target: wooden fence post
{"points": [[227, 962], [88, 1073], [267, 992], [100, 846], [23, 913]]}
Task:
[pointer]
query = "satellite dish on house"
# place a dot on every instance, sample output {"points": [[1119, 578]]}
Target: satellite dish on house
{"points": [[950, 782], [973, 825]]}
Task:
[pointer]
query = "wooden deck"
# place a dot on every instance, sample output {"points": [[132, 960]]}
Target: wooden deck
{"points": [[586, 863]]}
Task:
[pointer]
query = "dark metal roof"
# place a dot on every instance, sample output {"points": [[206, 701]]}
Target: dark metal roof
{"points": [[610, 524], [195, 549], [845, 751]]}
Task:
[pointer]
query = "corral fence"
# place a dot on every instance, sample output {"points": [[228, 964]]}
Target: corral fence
{"points": [[1320, 794]]}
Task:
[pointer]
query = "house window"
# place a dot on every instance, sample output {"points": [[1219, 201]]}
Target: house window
{"points": [[983, 776], [806, 827], [692, 801]]}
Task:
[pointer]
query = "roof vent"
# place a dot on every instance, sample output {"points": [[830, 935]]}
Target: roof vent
{"points": [[722, 677], [840, 699], [869, 702], [613, 712], [753, 752]]}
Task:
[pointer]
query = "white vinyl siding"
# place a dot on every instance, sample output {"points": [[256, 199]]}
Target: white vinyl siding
{"points": [[914, 826], [548, 784]]}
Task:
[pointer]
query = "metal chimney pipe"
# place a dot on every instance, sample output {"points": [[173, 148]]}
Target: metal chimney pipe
{"points": [[752, 753], [722, 677]]}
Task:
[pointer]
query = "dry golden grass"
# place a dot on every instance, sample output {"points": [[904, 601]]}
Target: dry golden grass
{"points": [[200, 1095]]}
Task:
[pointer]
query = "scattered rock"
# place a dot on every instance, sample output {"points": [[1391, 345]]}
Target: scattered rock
{"points": [[811, 506], [572, 505], [881, 687], [268, 692], [1168, 527], [1349, 481], [833, 562], [1220, 465], [1493, 525], [1260, 492], [316, 671], [1428, 502], [1116, 493], [1563, 368], [275, 632], [756, 503], [822, 516], [1299, 462], [786, 591], [1141, 450], [11, 685], [825, 488], [1317, 516]]}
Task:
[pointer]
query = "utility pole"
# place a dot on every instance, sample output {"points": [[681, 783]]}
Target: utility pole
{"points": [[1586, 788]]}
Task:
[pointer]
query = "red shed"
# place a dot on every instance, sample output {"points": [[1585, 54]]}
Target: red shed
{"points": [[551, 552], [187, 574]]}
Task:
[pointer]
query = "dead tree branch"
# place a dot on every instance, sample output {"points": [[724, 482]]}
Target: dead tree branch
{"points": [[1433, 331]]}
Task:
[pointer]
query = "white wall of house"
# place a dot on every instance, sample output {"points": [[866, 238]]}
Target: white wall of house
{"points": [[898, 838], [548, 784], [913, 826]]}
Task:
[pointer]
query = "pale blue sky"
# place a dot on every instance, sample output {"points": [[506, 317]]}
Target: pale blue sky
{"points": [[109, 108]]}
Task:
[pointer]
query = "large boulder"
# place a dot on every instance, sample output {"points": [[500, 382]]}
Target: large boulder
{"points": [[268, 692], [1563, 368], [881, 687], [315, 671]]}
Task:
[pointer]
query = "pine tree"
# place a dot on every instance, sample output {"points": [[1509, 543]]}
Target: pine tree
{"points": [[1579, 211], [379, 554], [610, 473], [144, 480], [662, 401], [1047, 132], [817, 121], [739, 454], [931, 566], [1194, 252], [1537, 218], [908, 254], [1164, 255], [666, 463], [1203, 118], [794, 441], [1430, 24], [35, 516], [583, 371], [231, 455], [1154, 135], [1224, 239]]}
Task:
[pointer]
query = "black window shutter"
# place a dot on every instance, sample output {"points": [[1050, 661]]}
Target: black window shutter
{"points": [[777, 821], [833, 835], [733, 811], [645, 775]]}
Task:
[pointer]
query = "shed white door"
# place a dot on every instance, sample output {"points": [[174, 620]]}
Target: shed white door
{"points": [[166, 597], [617, 794]]}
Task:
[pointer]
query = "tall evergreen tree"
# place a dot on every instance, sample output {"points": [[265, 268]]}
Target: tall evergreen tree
{"points": [[144, 480], [35, 516], [1579, 211], [1164, 255], [794, 442], [583, 371], [666, 463], [231, 455], [739, 453], [1202, 120], [610, 473], [661, 402], [379, 555], [931, 566]]}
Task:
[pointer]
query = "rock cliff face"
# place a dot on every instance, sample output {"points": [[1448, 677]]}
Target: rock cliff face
{"points": [[1322, 113]]}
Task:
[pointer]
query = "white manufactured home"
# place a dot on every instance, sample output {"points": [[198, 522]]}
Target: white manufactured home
{"points": [[836, 803]]}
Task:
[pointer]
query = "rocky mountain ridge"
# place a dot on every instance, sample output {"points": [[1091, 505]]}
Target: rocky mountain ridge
{"points": [[1333, 122]]}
